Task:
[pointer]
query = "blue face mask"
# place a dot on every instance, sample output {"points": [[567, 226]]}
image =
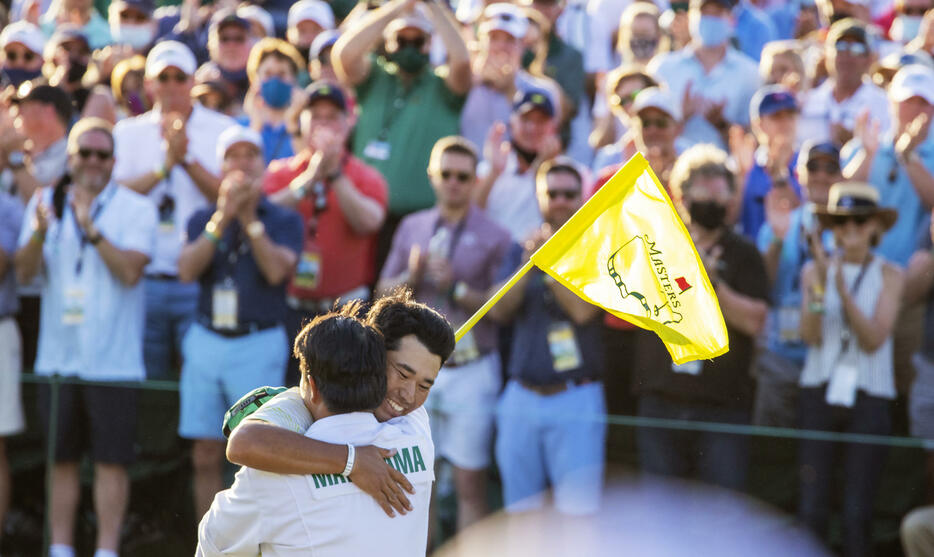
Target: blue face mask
{"points": [[276, 93], [16, 76], [907, 27], [711, 30]]}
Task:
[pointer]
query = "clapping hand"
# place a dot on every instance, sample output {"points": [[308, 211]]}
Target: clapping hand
{"points": [[915, 133], [176, 138], [867, 130], [496, 149]]}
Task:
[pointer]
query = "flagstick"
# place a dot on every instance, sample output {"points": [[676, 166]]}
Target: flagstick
{"points": [[492, 301]]}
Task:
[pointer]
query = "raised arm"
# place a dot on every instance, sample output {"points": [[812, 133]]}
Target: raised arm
{"points": [[459, 78], [351, 51]]}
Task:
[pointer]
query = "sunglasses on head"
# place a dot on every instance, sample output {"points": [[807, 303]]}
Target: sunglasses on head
{"points": [[178, 77], [418, 42], [841, 220], [461, 176], [14, 56], [568, 195], [101, 154], [660, 123], [825, 167], [851, 48]]}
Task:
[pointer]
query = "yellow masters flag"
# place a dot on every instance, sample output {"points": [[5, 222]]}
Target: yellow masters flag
{"points": [[627, 251]]}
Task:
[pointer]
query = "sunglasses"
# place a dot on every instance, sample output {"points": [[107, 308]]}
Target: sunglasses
{"points": [[851, 48], [568, 195], [14, 56], [462, 177], [238, 38], [825, 167], [841, 220], [418, 43], [178, 77], [101, 154], [660, 123]]}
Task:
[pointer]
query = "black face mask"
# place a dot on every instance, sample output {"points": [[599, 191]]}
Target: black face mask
{"points": [[526, 156], [76, 70], [708, 214]]}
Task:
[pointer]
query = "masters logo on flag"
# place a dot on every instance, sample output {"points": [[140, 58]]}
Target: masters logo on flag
{"points": [[627, 251]]}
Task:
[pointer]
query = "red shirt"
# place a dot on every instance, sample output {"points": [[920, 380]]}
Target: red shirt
{"points": [[347, 259]]}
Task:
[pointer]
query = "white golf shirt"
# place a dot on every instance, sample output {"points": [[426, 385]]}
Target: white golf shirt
{"points": [[323, 514]]}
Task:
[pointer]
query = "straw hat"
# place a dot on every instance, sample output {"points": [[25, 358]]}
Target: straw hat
{"points": [[854, 198]]}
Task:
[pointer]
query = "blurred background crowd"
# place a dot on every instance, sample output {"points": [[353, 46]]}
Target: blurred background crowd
{"points": [[183, 186]]}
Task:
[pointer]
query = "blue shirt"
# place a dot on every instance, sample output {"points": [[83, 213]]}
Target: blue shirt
{"points": [[258, 302], [758, 185], [530, 357], [753, 30], [900, 241], [784, 315], [784, 16], [11, 219], [734, 80], [277, 143]]}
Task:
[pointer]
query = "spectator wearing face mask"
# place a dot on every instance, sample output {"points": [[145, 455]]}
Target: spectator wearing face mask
{"points": [[67, 55], [405, 104], [639, 34], [23, 44], [308, 19], [714, 80], [81, 14], [908, 15], [273, 69], [132, 24]]}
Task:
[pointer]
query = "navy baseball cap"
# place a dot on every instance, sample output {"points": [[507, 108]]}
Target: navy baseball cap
{"points": [[811, 149], [728, 4], [533, 99], [772, 99], [142, 6], [328, 91], [225, 17]]}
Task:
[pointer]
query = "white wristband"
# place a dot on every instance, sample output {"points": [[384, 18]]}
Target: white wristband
{"points": [[351, 456]]}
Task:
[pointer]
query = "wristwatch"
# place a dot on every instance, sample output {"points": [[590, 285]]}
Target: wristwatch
{"points": [[255, 229], [16, 160], [95, 238]]}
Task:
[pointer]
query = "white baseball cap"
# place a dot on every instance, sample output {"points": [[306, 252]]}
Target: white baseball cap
{"points": [[313, 10], [252, 12], [24, 33], [504, 17], [237, 134], [656, 97], [170, 54], [914, 80]]}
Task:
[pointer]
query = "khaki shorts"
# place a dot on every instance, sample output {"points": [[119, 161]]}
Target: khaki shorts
{"points": [[11, 366]]}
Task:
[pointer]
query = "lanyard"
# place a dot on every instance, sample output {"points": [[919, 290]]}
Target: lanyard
{"points": [[102, 200], [456, 234], [846, 335], [394, 104]]}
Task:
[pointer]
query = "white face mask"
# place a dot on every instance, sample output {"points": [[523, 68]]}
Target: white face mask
{"points": [[905, 28], [137, 36]]}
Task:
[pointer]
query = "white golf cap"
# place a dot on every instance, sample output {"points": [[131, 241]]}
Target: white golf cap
{"points": [[914, 80], [252, 12], [311, 10], [24, 33], [656, 97], [504, 17], [170, 54], [237, 134], [414, 20]]}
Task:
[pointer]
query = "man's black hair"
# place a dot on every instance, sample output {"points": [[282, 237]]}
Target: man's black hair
{"points": [[398, 315], [347, 359]]}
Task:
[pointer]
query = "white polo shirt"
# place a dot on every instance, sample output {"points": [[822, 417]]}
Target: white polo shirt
{"points": [[512, 202], [107, 344], [820, 109], [138, 151], [323, 514]]}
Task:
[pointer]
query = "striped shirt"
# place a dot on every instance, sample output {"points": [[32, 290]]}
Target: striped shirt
{"points": [[875, 373]]}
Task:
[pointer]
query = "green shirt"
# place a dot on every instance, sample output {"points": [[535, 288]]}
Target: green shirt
{"points": [[565, 65], [398, 126]]}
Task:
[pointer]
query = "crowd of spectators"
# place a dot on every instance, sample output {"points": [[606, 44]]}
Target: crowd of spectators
{"points": [[182, 186]]}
